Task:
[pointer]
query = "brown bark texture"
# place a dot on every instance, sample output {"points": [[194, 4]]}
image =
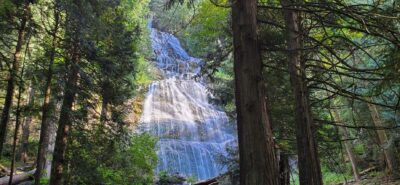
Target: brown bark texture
{"points": [[284, 169], [72, 34], [47, 108], [5, 116], [308, 160], [392, 164], [347, 145], [258, 163]]}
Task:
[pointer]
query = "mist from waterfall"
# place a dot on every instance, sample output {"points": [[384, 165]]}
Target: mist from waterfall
{"points": [[192, 132]]}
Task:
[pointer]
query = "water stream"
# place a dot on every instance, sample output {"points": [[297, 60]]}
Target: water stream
{"points": [[192, 132]]}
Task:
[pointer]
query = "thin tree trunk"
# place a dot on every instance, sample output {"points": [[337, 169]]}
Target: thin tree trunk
{"points": [[26, 126], [350, 154], [308, 160], [347, 146], [5, 116], [104, 111], [17, 125], [392, 164], [47, 108], [15, 138], [258, 163]]}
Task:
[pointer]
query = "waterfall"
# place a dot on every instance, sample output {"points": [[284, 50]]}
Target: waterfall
{"points": [[192, 132]]}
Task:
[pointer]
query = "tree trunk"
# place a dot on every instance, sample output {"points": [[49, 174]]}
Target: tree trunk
{"points": [[64, 125], [47, 108], [16, 129], [284, 169], [256, 147], [347, 146], [51, 143], [73, 32], [13, 75], [308, 160], [26, 126], [392, 164], [104, 111], [350, 154]]}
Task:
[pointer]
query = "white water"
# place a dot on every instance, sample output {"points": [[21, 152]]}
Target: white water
{"points": [[192, 132]]}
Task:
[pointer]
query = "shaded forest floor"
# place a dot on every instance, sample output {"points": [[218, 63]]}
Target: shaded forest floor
{"points": [[374, 181]]}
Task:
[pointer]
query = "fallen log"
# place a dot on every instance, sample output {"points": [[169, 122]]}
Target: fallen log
{"points": [[212, 181], [18, 178], [364, 172], [3, 169]]}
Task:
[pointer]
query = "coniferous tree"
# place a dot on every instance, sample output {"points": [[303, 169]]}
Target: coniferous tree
{"points": [[256, 147], [44, 140], [15, 67], [308, 160]]}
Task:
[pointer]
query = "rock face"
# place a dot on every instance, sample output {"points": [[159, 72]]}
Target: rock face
{"points": [[192, 132]]}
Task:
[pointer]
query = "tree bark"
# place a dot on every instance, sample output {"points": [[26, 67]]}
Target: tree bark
{"points": [[51, 144], [347, 146], [389, 152], [26, 126], [16, 129], [73, 32], [5, 116], [258, 163], [64, 124], [284, 169], [308, 160], [47, 108]]}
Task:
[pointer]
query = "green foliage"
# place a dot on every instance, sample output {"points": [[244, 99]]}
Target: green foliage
{"points": [[138, 162], [191, 179], [334, 178], [328, 177], [173, 19], [117, 163], [143, 157], [145, 72], [164, 178], [44, 181], [359, 149], [5, 162], [208, 31]]}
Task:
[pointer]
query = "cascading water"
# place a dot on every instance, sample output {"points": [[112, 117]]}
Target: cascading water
{"points": [[192, 132]]}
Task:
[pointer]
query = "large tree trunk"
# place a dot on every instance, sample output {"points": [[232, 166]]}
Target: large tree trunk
{"points": [[256, 147], [308, 161], [47, 108], [13, 75], [51, 143], [73, 32], [26, 126], [343, 131], [64, 124], [389, 152]]}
